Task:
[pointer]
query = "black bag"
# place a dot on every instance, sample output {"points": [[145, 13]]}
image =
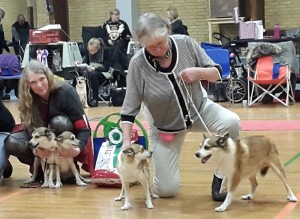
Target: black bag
{"points": [[117, 96]]}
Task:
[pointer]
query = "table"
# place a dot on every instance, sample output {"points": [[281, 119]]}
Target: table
{"points": [[212, 21]]}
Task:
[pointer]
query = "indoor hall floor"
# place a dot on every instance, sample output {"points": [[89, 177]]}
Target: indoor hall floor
{"points": [[280, 123]]}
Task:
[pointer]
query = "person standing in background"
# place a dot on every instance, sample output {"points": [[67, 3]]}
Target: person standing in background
{"points": [[177, 27], [117, 37], [3, 44], [20, 34]]}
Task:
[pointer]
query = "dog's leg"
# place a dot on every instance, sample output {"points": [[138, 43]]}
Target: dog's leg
{"points": [[79, 182], [51, 170], [233, 183], [223, 188], [46, 169], [146, 186], [36, 165], [253, 183], [121, 196], [127, 203], [58, 179], [279, 170], [85, 102], [84, 179]]}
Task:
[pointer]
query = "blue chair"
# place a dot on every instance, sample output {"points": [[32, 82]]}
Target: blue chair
{"points": [[232, 89]]}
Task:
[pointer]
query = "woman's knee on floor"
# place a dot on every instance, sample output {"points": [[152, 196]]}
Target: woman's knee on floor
{"points": [[166, 190]]}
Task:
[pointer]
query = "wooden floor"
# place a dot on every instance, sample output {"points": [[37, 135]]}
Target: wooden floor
{"points": [[194, 200]]}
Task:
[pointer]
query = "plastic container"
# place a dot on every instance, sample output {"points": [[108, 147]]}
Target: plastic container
{"points": [[44, 36], [276, 31]]}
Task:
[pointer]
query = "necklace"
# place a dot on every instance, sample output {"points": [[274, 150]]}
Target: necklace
{"points": [[164, 57]]}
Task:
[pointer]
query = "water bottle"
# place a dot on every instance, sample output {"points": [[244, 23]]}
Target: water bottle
{"points": [[276, 31]]}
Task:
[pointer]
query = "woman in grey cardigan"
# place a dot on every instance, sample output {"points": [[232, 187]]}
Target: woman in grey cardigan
{"points": [[166, 77]]}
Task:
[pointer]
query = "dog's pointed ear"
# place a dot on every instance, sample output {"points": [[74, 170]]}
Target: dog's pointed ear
{"points": [[129, 152], [59, 138], [48, 132], [222, 140]]}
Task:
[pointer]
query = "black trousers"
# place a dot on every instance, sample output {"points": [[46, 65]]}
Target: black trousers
{"points": [[96, 79]]}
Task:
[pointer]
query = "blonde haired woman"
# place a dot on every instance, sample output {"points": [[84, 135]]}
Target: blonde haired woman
{"points": [[98, 63], [44, 98]]}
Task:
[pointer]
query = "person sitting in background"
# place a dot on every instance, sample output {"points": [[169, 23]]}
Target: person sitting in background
{"points": [[20, 34], [177, 27], [7, 123], [117, 35], [98, 63]]}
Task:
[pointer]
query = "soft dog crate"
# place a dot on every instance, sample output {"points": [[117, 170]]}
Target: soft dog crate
{"points": [[107, 142]]}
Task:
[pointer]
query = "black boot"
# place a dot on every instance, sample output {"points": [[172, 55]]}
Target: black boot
{"points": [[215, 188], [8, 169]]}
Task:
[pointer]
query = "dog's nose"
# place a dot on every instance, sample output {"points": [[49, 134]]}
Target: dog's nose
{"points": [[197, 154]]}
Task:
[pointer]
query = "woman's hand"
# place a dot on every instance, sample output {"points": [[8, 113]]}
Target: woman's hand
{"points": [[42, 153], [190, 75], [66, 153]]}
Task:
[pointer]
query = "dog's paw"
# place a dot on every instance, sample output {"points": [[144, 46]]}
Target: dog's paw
{"points": [[126, 206], [154, 196], [119, 198], [58, 185], [149, 205], [80, 183], [221, 208], [292, 198], [28, 181], [52, 186], [247, 197], [45, 185]]}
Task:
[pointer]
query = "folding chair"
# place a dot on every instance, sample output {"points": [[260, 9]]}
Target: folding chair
{"points": [[267, 79]]}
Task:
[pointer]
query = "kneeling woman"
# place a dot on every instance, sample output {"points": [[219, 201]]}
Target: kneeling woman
{"points": [[43, 97]]}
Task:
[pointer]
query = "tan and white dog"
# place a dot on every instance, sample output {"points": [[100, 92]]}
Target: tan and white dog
{"points": [[81, 90], [242, 158], [133, 167], [45, 138]]}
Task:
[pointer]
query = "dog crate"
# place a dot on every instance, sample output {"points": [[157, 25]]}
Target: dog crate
{"points": [[67, 52]]}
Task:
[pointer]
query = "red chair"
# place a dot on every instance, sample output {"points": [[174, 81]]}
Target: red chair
{"points": [[267, 79]]}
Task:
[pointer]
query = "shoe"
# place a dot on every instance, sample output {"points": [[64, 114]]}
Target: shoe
{"points": [[215, 188], [8, 169], [93, 103]]}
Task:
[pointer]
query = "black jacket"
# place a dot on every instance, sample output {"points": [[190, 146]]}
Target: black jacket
{"points": [[7, 121], [65, 101]]}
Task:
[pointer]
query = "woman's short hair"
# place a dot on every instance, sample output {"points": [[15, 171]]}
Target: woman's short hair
{"points": [[172, 12], [95, 42], [151, 26]]}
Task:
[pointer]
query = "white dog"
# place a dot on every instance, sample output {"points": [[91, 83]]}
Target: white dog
{"points": [[133, 166], [81, 90], [243, 158]]}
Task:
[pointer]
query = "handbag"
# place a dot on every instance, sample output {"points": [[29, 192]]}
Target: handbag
{"points": [[117, 96], [247, 30]]}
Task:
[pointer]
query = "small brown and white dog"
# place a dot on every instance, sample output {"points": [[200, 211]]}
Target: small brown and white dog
{"points": [[133, 167], [45, 138], [81, 90], [243, 158]]}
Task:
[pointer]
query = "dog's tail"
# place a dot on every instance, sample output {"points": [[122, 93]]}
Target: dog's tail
{"points": [[264, 170]]}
